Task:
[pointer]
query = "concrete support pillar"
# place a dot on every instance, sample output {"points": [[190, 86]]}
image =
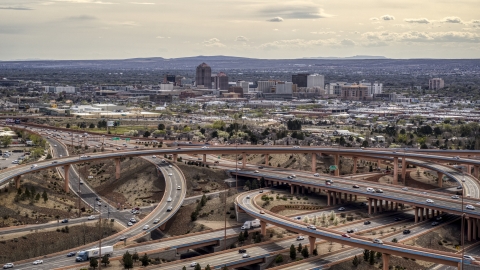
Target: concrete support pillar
{"points": [[292, 189], [337, 163], [311, 242], [440, 179], [375, 206], [475, 171], [204, 158], [385, 260], [263, 226], [395, 170], [396, 206], [369, 206], [244, 160], [355, 159], [163, 226], [404, 169], [298, 190], [303, 190], [17, 181], [380, 206], [379, 162], [175, 157], [422, 211], [350, 197], [469, 229], [416, 214], [469, 168], [267, 157], [334, 197], [474, 229], [314, 163], [478, 227], [329, 197], [355, 198], [117, 168], [427, 213], [66, 171]]}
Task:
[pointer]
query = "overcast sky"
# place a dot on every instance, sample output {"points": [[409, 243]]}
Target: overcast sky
{"points": [[118, 29]]}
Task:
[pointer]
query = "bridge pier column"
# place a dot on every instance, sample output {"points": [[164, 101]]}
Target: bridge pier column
{"points": [[355, 199], [440, 179], [469, 229], [379, 162], [469, 168], [334, 197], [117, 168], [396, 206], [303, 190], [376, 206], [267, 157], [404, 169], [337, 159], [328, 198], [369, 206], [395, 170], [17, 181], [263, 229], [355, 159], [204, 158], [244, 160], [385, 260], [427, 213], [380, 206], [163, 226], [350, 197], [475, 171], [311, 247], [292, 189], [314, 163], [66, 171], [416, 214], [474, 229], [174, 158], [422, 214]]}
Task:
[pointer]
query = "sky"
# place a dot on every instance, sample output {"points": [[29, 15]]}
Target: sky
{"points": [[271, 29]]}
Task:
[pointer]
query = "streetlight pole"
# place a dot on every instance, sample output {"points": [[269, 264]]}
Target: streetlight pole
{"points": [[463, 222], [225, 217]]}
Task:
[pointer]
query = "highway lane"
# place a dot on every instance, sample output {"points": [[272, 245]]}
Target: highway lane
{"points": [[444, 203], [390, 248]]}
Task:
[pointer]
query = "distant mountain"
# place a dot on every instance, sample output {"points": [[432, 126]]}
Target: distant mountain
{"points": [[359, 57]]}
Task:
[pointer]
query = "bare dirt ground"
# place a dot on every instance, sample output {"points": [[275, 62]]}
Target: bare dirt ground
{"points": [[445, 238], [202, 179], [394, 261], [31, 245], [26, 208]]}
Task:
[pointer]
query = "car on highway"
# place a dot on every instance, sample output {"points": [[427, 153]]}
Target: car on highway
{"points": [[378, 190], [468, 257], [346, 235], [169, 209], [398, 219], [169, 199], [316, 174], [262, 212], [178, 148], [122, 238], [129, 224], [350, 231], [38, 262], [146, 227], [118, 148], [439, 218], [91, 217], [155, 221], [429, 201], [154, 156], [33, 166], [297, 218], [459, 187], [341, 209], [15, 162], [296, 146], [170, 174], [311, 227], [242, 250], [405, 188], [170, 166], [261, 191], [455, 197], [8, 265], [406, 231], [54, 162], [355, 186], [377, 241], [256, 171], [71, 254], [245, 255], [65, 221], [81, 182], [369, 189], [83, 156], [457, 157], [300, 238], [193, 264], [99, 203], [367, 222], [470, 207], [435, 223]]}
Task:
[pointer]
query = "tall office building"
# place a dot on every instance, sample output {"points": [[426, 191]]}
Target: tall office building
{"points": [[203, 76], [373, 88], [169, 78], [245, 86], [300, 79], [436, 83], [220, 81], [316, 80], [265, 86]]}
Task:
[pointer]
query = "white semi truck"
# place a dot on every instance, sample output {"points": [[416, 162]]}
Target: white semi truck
{"points": [[85, 255], [251, 224]]}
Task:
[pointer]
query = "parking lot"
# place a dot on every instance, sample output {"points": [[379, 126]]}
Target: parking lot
{"points": [[7, 162]]}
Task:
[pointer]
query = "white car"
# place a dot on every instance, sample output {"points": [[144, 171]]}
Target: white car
{"points": [[405, 188], [468, 257], [146, 227], [8, 265], [55, 145], [193, 264], [377, 241], [170, 174], [130, 224], [317, 174], [91, 217], [429, 200], [369, 189], [133, 220], [256, 171], [245, 255], [470, 207], [179, 188], [154, 156], [341, 209], [38, 262], [455, 197], [300, 238], [311, 227], [169, 199], [83, 156], [156, 221], [169, 209], [170, 166]]}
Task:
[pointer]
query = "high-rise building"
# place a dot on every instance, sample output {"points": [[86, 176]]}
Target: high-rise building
{"points": [[169, 78], [315, 80], [236, 89], [436, 83], [354, 92], [265, 86], [245, 86], [283, 88], [220, 81], [335, 88], [203, 76], [300, 79], [373, 88]]}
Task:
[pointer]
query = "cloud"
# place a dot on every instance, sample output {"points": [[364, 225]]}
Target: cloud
{"points": [[387, 18], [475, 21], [276, 19], [423, 37], [451, 20], [16, 8], [129, 23], [160, 37], [82, 18], [419, 20], [302, 43], [347, 42], [374, 19], [86, 2], [142, 3], [241, 39], [213, 42], [295, 10]]}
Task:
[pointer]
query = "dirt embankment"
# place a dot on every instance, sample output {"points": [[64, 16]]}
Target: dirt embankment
{"points": [[394, 261], [202, 180], [140, 184]]}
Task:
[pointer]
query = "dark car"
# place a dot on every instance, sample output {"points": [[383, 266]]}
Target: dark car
{"points": [[398, 219], [260, 167], [406, 231], [350, 231], [367, 222], [242, 251], [65, 221], [71, 254], [355, 186]]}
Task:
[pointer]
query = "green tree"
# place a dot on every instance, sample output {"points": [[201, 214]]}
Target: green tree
{"points": [[315, 252], [197, 267], [68, 125], [127, 260], [161, 126], [135, 257], [366, 255], [356, 261], [203, 202], [105, 260], [241, 238], [305, 252], [258, 238], [371, 257], [45, 196], [37, 197], [145, 260], [225, 267], [6, 141], [184, 268], [146, 134], [49, 156], [208, 267], [293, 252], [299, 248], [93, 263], [92, 125]]}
